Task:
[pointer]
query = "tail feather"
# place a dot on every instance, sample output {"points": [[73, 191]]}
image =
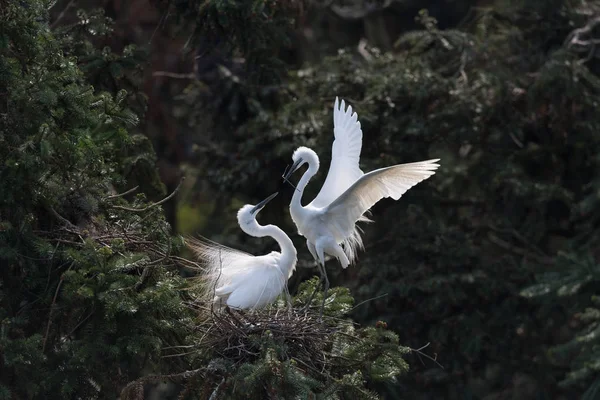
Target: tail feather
{"points": [[353, 243]]}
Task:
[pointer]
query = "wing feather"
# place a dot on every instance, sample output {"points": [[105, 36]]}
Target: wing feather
{"points": [[343, 213], [345, 155]]}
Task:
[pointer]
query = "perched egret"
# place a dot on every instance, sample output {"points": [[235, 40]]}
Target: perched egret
{"points": [[329, 222], [241, 280]]}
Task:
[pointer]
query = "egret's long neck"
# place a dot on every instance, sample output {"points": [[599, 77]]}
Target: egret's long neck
{"points": [[288, 251], [296, 203]]}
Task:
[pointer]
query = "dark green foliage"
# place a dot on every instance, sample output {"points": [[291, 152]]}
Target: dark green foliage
{"points": [[509, 104], [87, 40], [86, 301], [276, 353], [570, 297], [257, 30]]}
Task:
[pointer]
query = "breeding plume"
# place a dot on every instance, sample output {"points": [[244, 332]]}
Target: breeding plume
{"points": [[241, 280], [329, 222]]}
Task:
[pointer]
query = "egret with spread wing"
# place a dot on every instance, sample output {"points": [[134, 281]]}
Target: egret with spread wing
{"points": [[329, 222], [241, 280]]}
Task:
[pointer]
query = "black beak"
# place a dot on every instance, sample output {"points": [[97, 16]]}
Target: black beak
{"points": [[294, 168], [263, 203]]}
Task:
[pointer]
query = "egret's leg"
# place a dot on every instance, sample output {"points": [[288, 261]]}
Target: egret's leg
{"points": [[310, 299], [322, 277], [313, 252], [325, 289], [288, 298], [320, 248]]}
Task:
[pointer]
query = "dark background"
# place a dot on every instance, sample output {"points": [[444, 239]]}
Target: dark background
{"points": [[494, 260]]}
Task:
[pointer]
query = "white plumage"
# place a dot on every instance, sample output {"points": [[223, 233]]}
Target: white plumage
{"points": [[329, 222], [241, 280], [343, 213], [345, 155]]}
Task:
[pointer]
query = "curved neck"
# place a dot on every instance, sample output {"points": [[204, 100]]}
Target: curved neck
{"points": [[308, 174], [288, 251]]}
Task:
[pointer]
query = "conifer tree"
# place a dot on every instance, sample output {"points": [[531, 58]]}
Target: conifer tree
{"points": [[87, 301]]}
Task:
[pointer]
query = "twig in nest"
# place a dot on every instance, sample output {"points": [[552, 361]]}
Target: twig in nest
{"points": [[231, 334], [186, 263], [153, 204], [61, 218], [214, 394]]}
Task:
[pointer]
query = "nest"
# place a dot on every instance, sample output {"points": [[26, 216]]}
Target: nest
{"points": [[232, 334], [235, 336]]}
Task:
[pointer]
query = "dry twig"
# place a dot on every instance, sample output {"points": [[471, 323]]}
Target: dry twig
{"points": [[153, 204]]}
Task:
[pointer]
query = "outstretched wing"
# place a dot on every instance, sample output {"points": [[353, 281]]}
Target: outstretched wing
{"points": [[221, 264], [341, 215], [345, 155]]}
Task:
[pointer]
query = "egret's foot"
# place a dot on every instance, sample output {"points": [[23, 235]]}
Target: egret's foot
{"points": [[231, 313], [310, 299], [312, 296]]}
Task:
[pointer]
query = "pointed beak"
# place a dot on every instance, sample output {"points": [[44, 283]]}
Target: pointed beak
{"points": [[263, 203], [294, 168]]}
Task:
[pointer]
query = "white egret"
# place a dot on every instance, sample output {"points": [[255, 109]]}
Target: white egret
{"points": [[241, 280], [329, 222]]}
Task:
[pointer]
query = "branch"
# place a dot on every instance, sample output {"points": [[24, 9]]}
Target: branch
{"points": [[52, 308], [61, 218], [357, 11], [214, 394], [62, 14], [362, 50], [519, 251], [115, 196], [420, 353], [174, 75], [132, 388], [367, 300], [580, 37], [154, 204]]}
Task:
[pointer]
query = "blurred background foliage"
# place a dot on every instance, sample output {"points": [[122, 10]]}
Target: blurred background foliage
{"points": [[494, 260]]}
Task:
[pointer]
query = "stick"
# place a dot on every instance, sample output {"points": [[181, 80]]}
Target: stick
{"points": [[114, 196], [154, 204]]}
